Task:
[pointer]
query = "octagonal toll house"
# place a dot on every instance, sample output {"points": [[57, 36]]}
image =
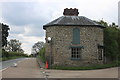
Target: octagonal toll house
{"points": [[73, 40]]}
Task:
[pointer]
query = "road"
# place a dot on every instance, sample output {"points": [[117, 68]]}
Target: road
{"points": [[29, 69], [6, 64]]}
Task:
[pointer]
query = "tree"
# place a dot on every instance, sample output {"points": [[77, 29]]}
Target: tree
{"points": [[119, 43], [14, 46], [3, 34], [101, 22], [111, 40], [37, 47]]}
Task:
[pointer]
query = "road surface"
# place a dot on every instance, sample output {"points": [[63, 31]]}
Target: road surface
{"points": [[6, 64], [29, 69]]}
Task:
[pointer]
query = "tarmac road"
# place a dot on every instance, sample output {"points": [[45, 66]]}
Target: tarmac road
{"points": [[27, 68], [6, 64]]}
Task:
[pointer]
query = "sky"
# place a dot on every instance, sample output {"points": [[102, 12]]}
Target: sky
{"points": [[27, 17]]}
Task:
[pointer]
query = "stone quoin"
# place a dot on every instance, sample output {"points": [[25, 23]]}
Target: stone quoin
{"points": [[75, 40]]}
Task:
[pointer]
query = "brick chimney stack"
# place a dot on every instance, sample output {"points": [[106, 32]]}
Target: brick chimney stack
{"points": [[70, 12]]}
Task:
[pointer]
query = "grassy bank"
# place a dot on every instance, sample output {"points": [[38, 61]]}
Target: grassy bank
{"points": [[9, 58], [11, 55], [102, 66]]}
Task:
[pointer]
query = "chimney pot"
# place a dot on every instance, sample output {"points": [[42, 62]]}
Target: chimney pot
{"points": [[70, 12]]}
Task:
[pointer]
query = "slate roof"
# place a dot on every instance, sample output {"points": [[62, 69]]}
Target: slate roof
{"points": [[72, 21]]}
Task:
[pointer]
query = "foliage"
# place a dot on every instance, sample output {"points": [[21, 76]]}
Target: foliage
{"points": [[4, 53], [4, 31], [101, 22], [41, 55], [119, 45], [111, 40], [31, 55], [16, 54], [37, 47], [15, 57], [12, 55], [11, 49], [14, 46]]}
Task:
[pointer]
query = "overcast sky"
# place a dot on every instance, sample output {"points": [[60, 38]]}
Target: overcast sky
{"points": [[26, 18]]}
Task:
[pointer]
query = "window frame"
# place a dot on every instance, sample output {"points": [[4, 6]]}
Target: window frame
{"points": [[76, 53], [100, 53]]}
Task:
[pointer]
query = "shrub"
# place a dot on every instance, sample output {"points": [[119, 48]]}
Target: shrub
{"points": [[42, 55], [4, 53], [11, 55]]}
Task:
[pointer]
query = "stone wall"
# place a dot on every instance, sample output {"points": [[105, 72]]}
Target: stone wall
{"points": [[90, 37]]}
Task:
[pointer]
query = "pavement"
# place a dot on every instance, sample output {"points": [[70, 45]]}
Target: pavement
{"points": [[103, 73], [29, 69]]}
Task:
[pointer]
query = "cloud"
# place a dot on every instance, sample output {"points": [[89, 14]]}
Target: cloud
{"points": [[34, 30], [22, 13], [27, 41], [26, 18], [41, 11], [16, 29]]}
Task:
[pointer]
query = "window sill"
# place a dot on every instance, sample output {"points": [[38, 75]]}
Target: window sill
{"points": [[76, 46], [75, 59]]}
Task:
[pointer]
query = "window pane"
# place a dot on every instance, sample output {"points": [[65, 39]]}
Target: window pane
{"points": [[72, 55], [100, 53], [78, 56], [76, 53]]}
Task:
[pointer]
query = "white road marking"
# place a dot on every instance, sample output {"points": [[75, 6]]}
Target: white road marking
{"points": [[44, 72], [14, 65]]}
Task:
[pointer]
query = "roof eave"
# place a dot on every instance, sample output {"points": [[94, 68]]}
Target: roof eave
{"points": [[44, 26]]}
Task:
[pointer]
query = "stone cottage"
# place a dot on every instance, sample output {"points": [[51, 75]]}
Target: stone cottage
{"points": [[73, 40]]}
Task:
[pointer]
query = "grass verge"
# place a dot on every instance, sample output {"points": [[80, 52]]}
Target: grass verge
{"points": [[102, 66], [9, 58]]}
